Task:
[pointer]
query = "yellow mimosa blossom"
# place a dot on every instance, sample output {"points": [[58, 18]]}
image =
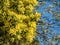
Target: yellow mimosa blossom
{"points": [[20, 25], [31, 30], [29, 37], [24, 17], [20, 2], [15, 14], [6, 23], [29, 7], [27, 18], [12, 31], [32, 24], [12, 39], [11, 12], [6, 2], [32, 16], [19, 37], [37, 15], [34, 2], [21, 9]]}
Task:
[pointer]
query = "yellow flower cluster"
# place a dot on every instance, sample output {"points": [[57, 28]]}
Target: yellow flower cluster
{"points": [[32, 24], [33, 2], [12, 31], [29, 8], [18, 19]]}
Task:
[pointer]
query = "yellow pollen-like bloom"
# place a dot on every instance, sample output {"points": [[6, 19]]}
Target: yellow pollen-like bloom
{"points": [[12, 31], [19, 37], [32, 24]]}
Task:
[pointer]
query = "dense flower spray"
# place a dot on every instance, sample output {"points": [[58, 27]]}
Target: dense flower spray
{"points": [[17, 20]]}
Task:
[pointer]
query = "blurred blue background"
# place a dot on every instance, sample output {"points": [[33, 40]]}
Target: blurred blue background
{"points": [[47, 18]]}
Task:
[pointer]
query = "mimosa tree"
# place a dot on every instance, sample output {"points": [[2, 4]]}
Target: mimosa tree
{"points": [[18, 21]]}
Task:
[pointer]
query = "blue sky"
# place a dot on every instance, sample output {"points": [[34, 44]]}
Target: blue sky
{"points": [[47, 17]]}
